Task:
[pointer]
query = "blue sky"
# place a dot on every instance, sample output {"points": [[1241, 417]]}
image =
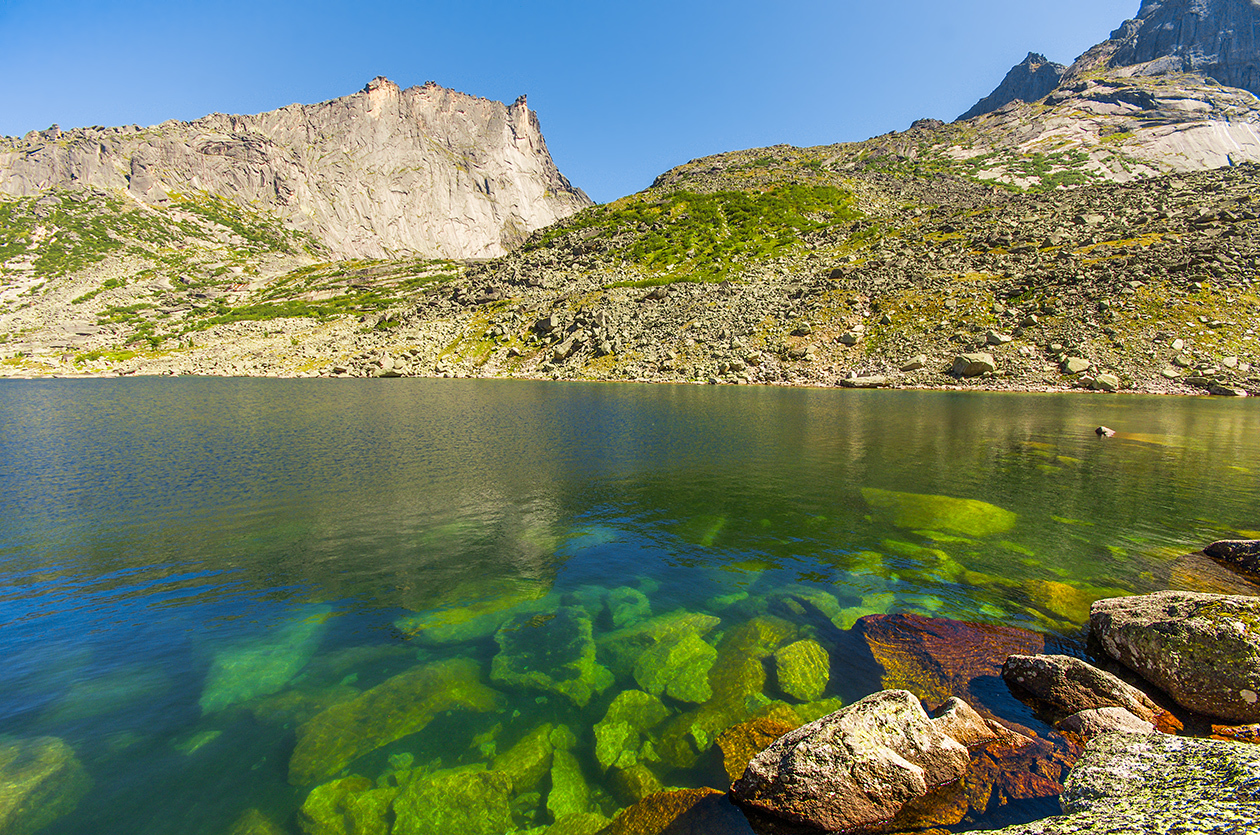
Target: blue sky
{"points": [[624, 90]]}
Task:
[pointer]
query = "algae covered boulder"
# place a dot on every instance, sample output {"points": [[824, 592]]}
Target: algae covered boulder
{"points": [[853, 768], [915, 511], [619, 736], [491, 602], [622, 649], [393, 709], [254, 822], [467, 800], [41, 780], [803, 669], [553, 653], [678, 666], [264, 665], [349, 806], [569, 794], [1203, 650], [527, 762], [704, 811]]}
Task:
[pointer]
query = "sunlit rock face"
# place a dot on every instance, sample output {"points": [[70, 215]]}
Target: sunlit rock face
{"points": [[1216, 38], [423, 171]]}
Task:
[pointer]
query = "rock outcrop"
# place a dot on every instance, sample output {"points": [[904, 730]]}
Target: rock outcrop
{"points": [[1030, 80], [1157, 785], [1070, 686], [1203, 650], [856, 767], [384, 172], [1215, 38]]}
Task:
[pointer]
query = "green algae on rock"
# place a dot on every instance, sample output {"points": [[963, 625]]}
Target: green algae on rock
{"points": [[492, 603], [679, 667], [619, 735], [41, 780], [917, 511], [553, 653], [264, 665], [528, 761], [393, 709], [570, 794], [469, 800], [621, 649], [628, 606], [349, 806], [254, 822], [803, 670]]}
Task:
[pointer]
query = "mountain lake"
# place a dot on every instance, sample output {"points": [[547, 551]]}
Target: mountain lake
{"points": [[256, 606]]}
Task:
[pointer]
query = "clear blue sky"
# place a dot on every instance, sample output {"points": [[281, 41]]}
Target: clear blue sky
{"points": [[624, 90]]}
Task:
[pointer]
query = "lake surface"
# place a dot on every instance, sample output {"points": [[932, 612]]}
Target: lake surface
{"points": [[219, 594]]}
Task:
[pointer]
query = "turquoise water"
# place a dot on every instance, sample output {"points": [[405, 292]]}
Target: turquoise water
{"points": [[221, 594]]}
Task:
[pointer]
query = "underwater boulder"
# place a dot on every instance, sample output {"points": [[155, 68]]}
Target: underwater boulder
{"points": [[254, 822], [527, 762], [41, 780], [740, 743], [619, 735], [621, 649], [632, 784], [553, 653], [570, 794], [678, 666], [803, 670], [491, 603], [936, 658], [704, 811], [263, 665], [585, 823], [349, 806], [628, 606], [393, 709], [917, 511], [468, 800]]}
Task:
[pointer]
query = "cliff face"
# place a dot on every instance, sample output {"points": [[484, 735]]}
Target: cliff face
{"points": [[1030, 80], [1215, 38], [384, 172]]}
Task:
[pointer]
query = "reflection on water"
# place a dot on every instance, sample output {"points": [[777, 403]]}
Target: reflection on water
{"points": [[439, 606]]}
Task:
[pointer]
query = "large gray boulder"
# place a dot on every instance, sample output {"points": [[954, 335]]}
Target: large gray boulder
{"points": [[1158, 785], [1203, 650], [855, 767], [1070, 685]]}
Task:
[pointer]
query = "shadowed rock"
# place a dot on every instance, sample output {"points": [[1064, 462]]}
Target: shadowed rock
{"points": [[1070, 685]]}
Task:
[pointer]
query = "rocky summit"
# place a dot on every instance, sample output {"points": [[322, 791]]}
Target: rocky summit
{"points": [[384, 172], [1100, 235]]}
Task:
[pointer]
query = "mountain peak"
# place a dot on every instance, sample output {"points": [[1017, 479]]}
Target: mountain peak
{"points": [[1030, 80]]}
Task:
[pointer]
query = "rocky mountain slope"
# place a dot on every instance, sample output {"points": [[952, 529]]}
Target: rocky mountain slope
{"points": [[1102, 237], [384, 172]]}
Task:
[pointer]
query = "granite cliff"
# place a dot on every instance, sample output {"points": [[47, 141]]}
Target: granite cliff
{"points": [[384, 172], [1029, 80]]}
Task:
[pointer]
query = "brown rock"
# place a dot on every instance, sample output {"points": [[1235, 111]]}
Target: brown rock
{"points": [[739, 744], [1201, 573], [1238, 733], [1070, 685], [935, 658], [1239, 554], [853, 768], [957, 719], [683, 812]]}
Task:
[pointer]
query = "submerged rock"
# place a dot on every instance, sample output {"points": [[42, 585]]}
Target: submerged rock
{"points": [[41, 780], [492, 603], [704, 811], [345, 806], [619, 736], [1203, 650], [393, 709], [468, 800], [740, 743], [264, 665], [254, 822], [803, 669], [622, 649], [553, 653], [678, 666], [936, 658], [569, 794], [628, 606], [854, 768], [1070, 685], [914, 511], [1157, 785], [527, 762]]}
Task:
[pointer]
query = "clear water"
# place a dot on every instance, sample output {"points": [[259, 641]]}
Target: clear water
{"points": [[192, 570]]}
